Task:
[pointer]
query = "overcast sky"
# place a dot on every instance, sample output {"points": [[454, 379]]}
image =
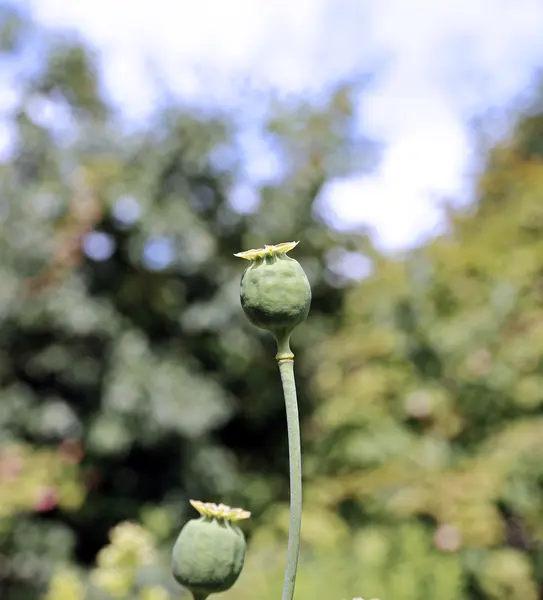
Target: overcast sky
{"points": [[445, 59]]}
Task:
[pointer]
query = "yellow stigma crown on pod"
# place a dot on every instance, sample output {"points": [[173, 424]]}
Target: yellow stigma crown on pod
{"points": [[267, 251], [220, 511]]}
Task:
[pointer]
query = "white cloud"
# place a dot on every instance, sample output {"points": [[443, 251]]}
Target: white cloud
{"points": [[269, 40], [399, 201], [445, 57], [228, 34], [496, 39]]}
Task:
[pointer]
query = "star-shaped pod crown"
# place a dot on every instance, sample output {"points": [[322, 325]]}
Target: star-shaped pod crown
{"points": [[220, 511], [272, 250]]}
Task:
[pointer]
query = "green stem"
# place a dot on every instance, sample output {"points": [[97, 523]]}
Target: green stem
{"points": [[285, 358]]}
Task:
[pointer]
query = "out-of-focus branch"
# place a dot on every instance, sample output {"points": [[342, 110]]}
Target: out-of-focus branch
{"points": [[84, 212]]}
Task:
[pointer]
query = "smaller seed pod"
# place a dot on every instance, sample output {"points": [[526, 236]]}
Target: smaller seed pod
{"points": [[275, 292], [209, 553]]}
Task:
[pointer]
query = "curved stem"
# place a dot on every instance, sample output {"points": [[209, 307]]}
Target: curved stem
{"points": [[285, 358]]}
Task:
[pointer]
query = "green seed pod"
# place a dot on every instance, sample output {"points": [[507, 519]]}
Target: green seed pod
{"points": [[275, 291], [209, 553]]}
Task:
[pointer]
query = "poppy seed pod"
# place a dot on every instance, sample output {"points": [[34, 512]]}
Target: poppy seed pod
{"points": [[275, 291], [209, 553]]}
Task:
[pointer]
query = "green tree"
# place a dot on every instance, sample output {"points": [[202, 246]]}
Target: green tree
{"points": [[121, 334], [433, 421]]}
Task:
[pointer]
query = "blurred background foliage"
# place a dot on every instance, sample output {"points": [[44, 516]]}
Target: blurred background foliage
{"points": [[130, 381]]}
